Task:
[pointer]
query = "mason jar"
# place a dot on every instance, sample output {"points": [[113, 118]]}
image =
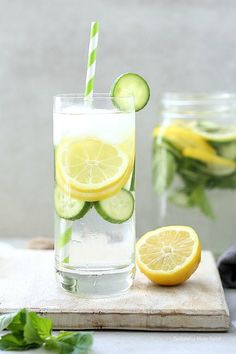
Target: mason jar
{"points": [[194, 166]]}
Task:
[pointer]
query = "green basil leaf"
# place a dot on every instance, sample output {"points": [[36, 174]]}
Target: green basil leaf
{"points": [[33, 331], [18, 322], [13, 321], [70, 342], [15, 342], [199, 198], [51, 343], [191, 176], [37, 328], [224, 182], [165, 143], [11, 342], [163, 169], [5, 320], [181, 198]]}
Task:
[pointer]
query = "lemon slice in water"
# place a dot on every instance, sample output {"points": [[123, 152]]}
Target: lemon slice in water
{"points": [[91, 168]]}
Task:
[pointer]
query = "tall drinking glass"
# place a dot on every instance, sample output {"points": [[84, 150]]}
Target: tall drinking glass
{"points": [[94, 142]]}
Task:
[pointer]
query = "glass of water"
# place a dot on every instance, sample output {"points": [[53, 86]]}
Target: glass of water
{"points": [[94, 149]]}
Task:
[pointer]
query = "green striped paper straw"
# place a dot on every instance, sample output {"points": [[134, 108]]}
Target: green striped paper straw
{"points": [[92, 55], [64, 240], [67, 227]]}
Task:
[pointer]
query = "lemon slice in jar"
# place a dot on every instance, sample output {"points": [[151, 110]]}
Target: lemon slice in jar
{"points": [[216, 165], [213, 132], [182, 137]]}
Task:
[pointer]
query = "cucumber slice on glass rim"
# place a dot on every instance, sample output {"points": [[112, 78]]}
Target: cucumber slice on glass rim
{"points": [[130, 84], [69, 208], [116, 209]]}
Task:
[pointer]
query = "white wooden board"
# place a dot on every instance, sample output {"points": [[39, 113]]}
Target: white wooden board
{"points": [[27, 280]]}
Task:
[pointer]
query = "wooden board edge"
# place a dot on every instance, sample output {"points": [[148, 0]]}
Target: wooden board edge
{"points": [[199, 323]]}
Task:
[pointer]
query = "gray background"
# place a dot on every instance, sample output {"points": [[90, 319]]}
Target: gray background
{"points": [[176, 45]]}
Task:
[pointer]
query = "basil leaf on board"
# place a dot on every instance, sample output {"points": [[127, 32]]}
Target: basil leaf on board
{"points": [[18, 322], [37, 329], [28, 330]]}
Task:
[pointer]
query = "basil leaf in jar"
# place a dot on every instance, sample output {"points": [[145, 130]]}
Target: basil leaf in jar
{"points": [[181, 198], [199, 198], [163, 169], [227, 182]]}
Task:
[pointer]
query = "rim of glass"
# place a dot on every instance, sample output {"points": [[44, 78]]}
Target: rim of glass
{"points": [[95, 95]]}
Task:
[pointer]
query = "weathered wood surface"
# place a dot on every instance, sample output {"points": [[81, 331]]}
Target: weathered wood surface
{"points": [[27, 280]]}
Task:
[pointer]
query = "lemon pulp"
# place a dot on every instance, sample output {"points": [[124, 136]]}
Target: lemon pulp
{"points": [[91, 169], [169, 255], [217, 164], [182, 137]]}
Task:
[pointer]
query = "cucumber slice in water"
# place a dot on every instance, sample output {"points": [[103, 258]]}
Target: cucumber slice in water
{"points": [[131, 84], [228, 150], [215, 170], [69, 208], [118, 208]]}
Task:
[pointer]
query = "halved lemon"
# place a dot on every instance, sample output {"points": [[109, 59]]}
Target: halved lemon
{"points": [[217, 165], [169, 255], [182, 137]]}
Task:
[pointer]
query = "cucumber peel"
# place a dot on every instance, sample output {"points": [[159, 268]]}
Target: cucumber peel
{"points": [[69, 208], [116, 209], [130, 84]]}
